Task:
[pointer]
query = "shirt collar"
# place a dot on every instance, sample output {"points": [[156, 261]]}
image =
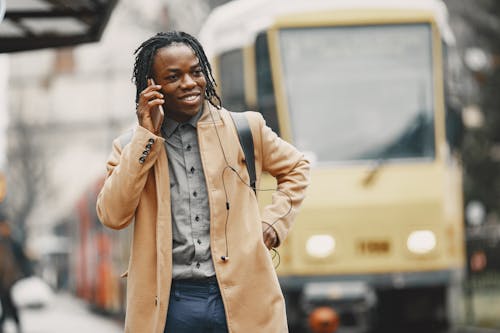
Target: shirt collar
{"points": [[169, 125]]}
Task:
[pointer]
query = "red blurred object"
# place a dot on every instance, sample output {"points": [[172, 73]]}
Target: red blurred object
{"points": [[100, 256], [478, 261], [324, 320]]}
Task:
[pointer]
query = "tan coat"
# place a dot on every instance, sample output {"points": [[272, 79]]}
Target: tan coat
{"points": [[139, 192]]}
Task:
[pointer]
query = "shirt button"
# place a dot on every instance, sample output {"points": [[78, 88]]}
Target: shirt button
{"points": [[197, 218], [195, 194], [192, 169], [197, 265], [188, 148], [199, 241]]}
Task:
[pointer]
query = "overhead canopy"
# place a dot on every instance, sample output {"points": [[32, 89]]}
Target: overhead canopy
{"points": [[37, 24]]}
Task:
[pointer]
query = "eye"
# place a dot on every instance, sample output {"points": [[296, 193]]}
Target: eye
{"points": [[198, 72], [172, 77]]}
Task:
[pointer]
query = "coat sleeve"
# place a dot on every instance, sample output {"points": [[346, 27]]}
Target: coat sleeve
{"points": [[127, 170], [291, 170]]}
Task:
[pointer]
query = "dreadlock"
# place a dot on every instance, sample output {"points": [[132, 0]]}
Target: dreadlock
{"points": [[144, 56]]}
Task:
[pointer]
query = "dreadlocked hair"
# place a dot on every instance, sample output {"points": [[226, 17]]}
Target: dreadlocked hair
{"points": [[144, 57]]}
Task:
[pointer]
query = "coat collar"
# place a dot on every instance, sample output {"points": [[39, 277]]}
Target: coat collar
{"points": [[211, 114]]}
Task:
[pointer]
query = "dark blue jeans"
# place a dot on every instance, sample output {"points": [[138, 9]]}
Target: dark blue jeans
{"points": [[195, 307]]}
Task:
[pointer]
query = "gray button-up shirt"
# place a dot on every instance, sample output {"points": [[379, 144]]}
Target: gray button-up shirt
{"points": [[189, 201]]}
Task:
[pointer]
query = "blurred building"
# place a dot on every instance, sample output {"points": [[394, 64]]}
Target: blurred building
{"points": [[66, 105], [3, 122], [4, 68]]}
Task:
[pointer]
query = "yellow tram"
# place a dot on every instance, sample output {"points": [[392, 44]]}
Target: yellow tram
{"points": [[361, 87]]}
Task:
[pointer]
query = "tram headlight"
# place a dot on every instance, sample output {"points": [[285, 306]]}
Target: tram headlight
{"points": [[421, 241], [320, 246]]}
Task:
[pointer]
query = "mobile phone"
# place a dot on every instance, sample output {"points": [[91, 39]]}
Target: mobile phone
{"points": [[157, 114]]}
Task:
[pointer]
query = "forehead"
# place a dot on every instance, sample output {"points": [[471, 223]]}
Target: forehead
{"points": [[175, 55]]}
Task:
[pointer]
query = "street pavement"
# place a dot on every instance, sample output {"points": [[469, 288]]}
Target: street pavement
{"points": [[64, 314]]}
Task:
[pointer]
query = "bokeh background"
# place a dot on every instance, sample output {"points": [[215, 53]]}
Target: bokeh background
{"points": [[61, 107]]}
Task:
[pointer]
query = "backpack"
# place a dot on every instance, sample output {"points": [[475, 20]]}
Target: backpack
{"points": [[246, 142]]}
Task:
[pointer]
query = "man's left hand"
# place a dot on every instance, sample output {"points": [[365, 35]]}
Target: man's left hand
{"points": [[270, 236]]}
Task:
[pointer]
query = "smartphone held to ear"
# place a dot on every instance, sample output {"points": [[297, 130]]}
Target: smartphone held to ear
{"points": [[157, 115]]}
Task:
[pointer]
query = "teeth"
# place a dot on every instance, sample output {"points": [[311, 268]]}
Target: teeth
{"points": [[190, 98]]}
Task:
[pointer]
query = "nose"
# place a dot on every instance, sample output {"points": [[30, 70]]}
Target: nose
{"points": [[188, 82]]}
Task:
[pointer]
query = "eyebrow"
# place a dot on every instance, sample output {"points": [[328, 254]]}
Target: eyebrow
{"points": [[175, 70]]}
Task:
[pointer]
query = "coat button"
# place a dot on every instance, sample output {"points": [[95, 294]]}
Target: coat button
{"points": [[151, 141], [141, 160]]}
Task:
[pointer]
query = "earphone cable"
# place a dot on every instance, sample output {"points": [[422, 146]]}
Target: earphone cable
{"points": [[228, 166]]}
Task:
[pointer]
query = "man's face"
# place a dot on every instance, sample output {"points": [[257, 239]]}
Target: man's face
{"points": [[177, 69]]}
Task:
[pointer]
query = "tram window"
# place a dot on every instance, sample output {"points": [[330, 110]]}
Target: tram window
{"points": [[231, 80], [370, 89], [266, 102]]}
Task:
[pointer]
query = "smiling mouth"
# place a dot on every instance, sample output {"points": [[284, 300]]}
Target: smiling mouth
{"points": [[190, 98]]}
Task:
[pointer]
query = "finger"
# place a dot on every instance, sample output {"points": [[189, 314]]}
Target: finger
{"points": [[264, 238], [145, 107], [152, 83], [149, 89], [274, 238], [153, 94], [268, 241], [272, 242], [156, 102]]}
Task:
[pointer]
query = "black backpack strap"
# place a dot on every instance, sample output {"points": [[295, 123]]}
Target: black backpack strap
{"points": [[246, 142]]}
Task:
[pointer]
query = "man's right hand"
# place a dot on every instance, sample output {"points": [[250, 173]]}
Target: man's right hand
{"points": [[149, 99]]}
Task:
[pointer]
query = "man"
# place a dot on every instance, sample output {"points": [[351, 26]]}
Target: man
{"points": [[12, 260], [199, 257]]}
